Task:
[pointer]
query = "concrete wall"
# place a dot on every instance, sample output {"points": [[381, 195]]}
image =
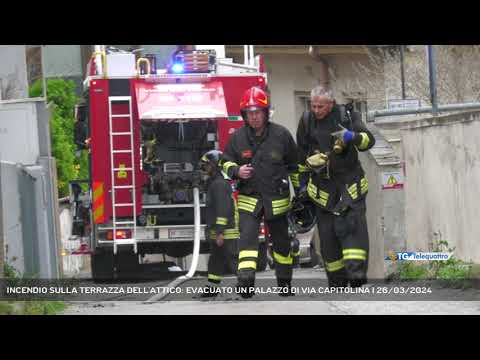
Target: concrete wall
{"points": [[385, 208], [353, 73], [28, 187], [457, 74], [442, 164], [12, 232], [2, 237], [13, 72], [63, 61], [31, 242], [18, 121]]}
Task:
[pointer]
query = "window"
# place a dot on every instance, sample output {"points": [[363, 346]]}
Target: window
{"points": [[302, 103]]}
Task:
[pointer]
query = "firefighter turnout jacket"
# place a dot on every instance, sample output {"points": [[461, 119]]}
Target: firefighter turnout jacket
{"points": [[343, 178], [221, 210], [273, 156]]}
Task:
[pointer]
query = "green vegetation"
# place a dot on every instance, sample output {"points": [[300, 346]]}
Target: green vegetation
{"points": [[31, 307], [61, 95], [13, 277], [453, 273]]}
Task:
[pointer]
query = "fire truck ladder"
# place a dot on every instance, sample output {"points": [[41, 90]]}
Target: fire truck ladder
{"points": [[131, 186]]}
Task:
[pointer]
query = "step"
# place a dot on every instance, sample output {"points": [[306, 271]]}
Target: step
{"points": [[123, 187], [124, 223], [124, 205], [122, 151], [120, 169], [125, 242], [119, 98], [121, 116], [122, 133]]}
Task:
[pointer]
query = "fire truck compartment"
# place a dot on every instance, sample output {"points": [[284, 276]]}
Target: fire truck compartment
{"points": [[180, 101]]}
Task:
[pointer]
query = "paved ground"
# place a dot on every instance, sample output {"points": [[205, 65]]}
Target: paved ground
{"points": [[272, 304]]}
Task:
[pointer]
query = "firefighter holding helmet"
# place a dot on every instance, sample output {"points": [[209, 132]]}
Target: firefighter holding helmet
{"points": [[260, 155], [329, 138]]}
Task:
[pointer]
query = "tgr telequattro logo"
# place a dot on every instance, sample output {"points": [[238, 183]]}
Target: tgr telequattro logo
{"points": [[418, 256]]}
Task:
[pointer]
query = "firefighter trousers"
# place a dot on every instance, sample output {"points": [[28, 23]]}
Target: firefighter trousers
{"points": [[248, 248], [344, 245], [222, 260]]}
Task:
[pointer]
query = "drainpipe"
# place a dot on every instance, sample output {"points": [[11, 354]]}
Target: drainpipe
{"points": [[44, 79], [433, 78], [245, 55], [402, 70], [324, 77], [98, 59]]}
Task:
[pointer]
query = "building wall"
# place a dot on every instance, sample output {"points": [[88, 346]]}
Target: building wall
{"points": [[443, 173], [13, 72], [2, 236], [17, 120], [354, 75], [28, 187], [458, 79], [296, 74], [385, 207], [11, 217], [63, 61]]}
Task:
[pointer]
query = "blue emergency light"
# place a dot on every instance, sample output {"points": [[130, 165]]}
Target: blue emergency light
{"points": [[177, 68]]}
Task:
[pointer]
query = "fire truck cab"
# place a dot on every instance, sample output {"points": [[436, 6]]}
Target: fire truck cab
{"points": [[145, 129]]}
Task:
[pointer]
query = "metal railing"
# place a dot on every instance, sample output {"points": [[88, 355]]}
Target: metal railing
{"points": [[373, 114], [435, 109]]}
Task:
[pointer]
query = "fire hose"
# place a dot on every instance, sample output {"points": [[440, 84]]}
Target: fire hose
{"points": [[196, 251]]}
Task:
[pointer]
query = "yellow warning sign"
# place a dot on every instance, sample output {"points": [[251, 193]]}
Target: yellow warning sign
{"points": [[392, 180], [122, 174]]}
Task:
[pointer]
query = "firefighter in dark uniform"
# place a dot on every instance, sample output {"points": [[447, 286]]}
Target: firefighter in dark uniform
{"points": [[329, 138], [260, 155], [222, 221]]}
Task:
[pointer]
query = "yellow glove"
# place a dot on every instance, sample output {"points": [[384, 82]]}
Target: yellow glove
{"points": [[317, 160]]}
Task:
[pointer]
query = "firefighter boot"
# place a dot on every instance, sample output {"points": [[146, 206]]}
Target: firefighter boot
{"points": [[356, 272], [284, 275], [286, 287], [246, 283], [337, 279], [210, 292]]}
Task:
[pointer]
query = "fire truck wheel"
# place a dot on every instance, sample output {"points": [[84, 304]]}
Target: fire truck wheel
{"points": [[102, 266], [127, 265], [262, 257]]}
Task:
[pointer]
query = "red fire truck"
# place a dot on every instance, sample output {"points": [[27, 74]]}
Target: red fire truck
{"points": [[146, 129]]}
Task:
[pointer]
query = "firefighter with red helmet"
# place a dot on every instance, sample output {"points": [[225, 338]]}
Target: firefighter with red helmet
{"points": [[222, 221], [260, 155]]}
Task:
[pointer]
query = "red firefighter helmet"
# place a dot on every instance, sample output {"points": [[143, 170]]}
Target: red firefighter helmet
{"points": [[254, 99]]}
